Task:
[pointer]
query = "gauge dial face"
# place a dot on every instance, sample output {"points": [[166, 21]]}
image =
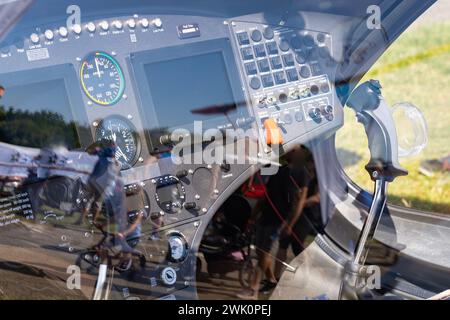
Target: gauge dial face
{"points": [[122, 132], [102, 79], [177, 246]]}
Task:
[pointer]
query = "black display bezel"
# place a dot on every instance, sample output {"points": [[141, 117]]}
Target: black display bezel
{"points": [[138, 61], [63, 72]]}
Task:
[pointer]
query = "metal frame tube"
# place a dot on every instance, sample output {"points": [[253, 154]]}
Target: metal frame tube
{"points": [[371, 223]]}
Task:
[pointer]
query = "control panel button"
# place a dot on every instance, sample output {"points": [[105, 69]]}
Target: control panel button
{"points": [[243, 38], [91, 27], [250, 68], [284, 45], [268, 33], [118, 24], [325, 88], [255, 83], [272, 47], [276, 63], [157, 23], [131, 24], [304, 72], [280, 77], [76, 29], [299, 116], [63, 32], [144, 23], [34, 38], [308, 40], [320, 37], [260, 50], [301, 57], [314, 89], [169, 276], [288, 60], [292, 75], [267, 80], [49, 35], [104, 25], [247, 53], [328, 109], [263, 65], [256, 35], [283, 97], [287, 118]]}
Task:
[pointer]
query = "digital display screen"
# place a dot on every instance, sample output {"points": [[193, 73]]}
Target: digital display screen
{"points": [[194, 88], [37, 115]]}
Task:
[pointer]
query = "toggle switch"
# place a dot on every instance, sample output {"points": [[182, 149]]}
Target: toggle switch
{"points": [[182, 174], [190, 206], [273, 132], [226, 167]]}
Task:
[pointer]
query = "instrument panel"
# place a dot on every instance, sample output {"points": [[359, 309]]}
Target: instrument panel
{"points": [[135, 79], [286, 72]]}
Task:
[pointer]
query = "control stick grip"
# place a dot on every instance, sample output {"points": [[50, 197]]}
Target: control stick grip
{"points": [[374, 113]]}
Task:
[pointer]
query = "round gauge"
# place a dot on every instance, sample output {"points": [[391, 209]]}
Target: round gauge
{"points": [[178, 247], [122, 132], [102, 79]]}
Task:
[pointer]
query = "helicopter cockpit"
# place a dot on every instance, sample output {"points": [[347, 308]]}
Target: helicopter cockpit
{"points": [[127, 126]]}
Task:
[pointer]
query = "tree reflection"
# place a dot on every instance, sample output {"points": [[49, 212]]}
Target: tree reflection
{"points": [[36, 129]]}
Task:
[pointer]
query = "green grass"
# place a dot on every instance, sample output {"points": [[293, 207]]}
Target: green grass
{"points": [[416, 69]]}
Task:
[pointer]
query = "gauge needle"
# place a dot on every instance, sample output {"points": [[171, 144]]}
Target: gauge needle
{"points": [[121, 153], [113, 135], [98, 68]]}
